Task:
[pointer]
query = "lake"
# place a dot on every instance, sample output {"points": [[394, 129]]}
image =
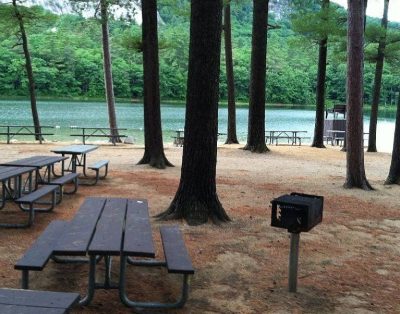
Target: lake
{"points": [[94, 114]]}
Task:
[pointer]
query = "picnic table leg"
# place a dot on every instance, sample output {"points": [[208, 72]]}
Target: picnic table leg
{"points": [[153, 305], [25, 279], [84, 165], [91, 282], [3, 195]]}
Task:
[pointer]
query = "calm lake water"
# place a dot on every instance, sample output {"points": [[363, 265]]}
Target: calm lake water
{"points": [[130, 116]]}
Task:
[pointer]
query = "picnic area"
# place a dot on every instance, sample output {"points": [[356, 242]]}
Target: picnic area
{"points": [[347, 263]]}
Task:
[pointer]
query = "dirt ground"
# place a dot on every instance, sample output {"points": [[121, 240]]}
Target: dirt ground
{"points": [[348, 264]]}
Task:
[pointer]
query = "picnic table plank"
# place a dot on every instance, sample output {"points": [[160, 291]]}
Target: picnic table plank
{"points": [[48, 299], [35, 161], [76, 238], [23, 309], [40, 252], [176, 255], [138, 235], [9, 172], [109, 230], [75, 149]]}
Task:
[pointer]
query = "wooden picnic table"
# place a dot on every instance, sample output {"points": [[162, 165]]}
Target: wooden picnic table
{"points": [[38, 162], [292, 136], [87, 132], [24, 130], [107, 228]]}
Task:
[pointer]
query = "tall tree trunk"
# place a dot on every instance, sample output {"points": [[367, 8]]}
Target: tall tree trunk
{"points": [[232, 137], [256, 123], [196, 199], [318, 140], [378, 82], [153, 141], [29, 71], [394, 172], [108, 80], [355, 174], [344, 148]]}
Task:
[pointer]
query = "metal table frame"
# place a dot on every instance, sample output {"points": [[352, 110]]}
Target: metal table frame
{"points": [[78, 157]]}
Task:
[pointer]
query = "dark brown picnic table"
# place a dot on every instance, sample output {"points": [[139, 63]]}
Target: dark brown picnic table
{"points": [[107, 228], [38, 162], [78, 156], [13, 183]]}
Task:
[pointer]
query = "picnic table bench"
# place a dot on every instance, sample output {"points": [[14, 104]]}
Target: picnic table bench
{"points": [[88, 132], [17, 301], [108, 227], [12, 131]]}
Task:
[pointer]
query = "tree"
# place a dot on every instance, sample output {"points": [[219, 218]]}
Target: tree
{"points": [[394, 172], [322, 24], [17, 15], [256, 123], [231, 134], [318, 140], [196, 199], [104, 7], [378, 81], [108, 79], [153, 148], [355, 171]]}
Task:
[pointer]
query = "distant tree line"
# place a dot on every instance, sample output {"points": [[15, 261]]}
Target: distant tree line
{"points": [[67, 61]]}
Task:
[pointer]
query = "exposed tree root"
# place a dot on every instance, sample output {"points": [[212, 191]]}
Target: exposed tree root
{"points": [[363, 184], [195, 212], [392, 180], [231, 141], [258, 148], [159, 162], [318, 145]]}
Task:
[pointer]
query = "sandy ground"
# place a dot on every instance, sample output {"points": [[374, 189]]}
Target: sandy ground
{"points": [[348, 264]]}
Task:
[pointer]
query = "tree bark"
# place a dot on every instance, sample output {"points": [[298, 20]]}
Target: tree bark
{"points": [[378, 82], [231, 137], [108, 79], [394, 172], [153, 141], [29, 72], [355, 174], [196, 200], [256, 123], [318, 140]]}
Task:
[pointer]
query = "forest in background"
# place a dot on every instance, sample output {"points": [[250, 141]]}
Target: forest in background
{"points": [[67, 60]]}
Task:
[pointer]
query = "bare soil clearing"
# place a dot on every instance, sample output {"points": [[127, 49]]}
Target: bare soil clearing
{"points": [[348, 264]]}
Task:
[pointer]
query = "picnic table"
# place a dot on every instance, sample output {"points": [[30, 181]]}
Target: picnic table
{"points": [[109, 227], [179, 137], [78, 156], [11, 179], [87, 132], [38, 162], [292, 136], [23, 130]]}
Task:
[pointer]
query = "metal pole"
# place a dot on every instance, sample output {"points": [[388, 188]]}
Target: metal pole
{"points": [[293, 261]]}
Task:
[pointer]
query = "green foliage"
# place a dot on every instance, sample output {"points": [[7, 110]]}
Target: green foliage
{"points": [[67, 58]]}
